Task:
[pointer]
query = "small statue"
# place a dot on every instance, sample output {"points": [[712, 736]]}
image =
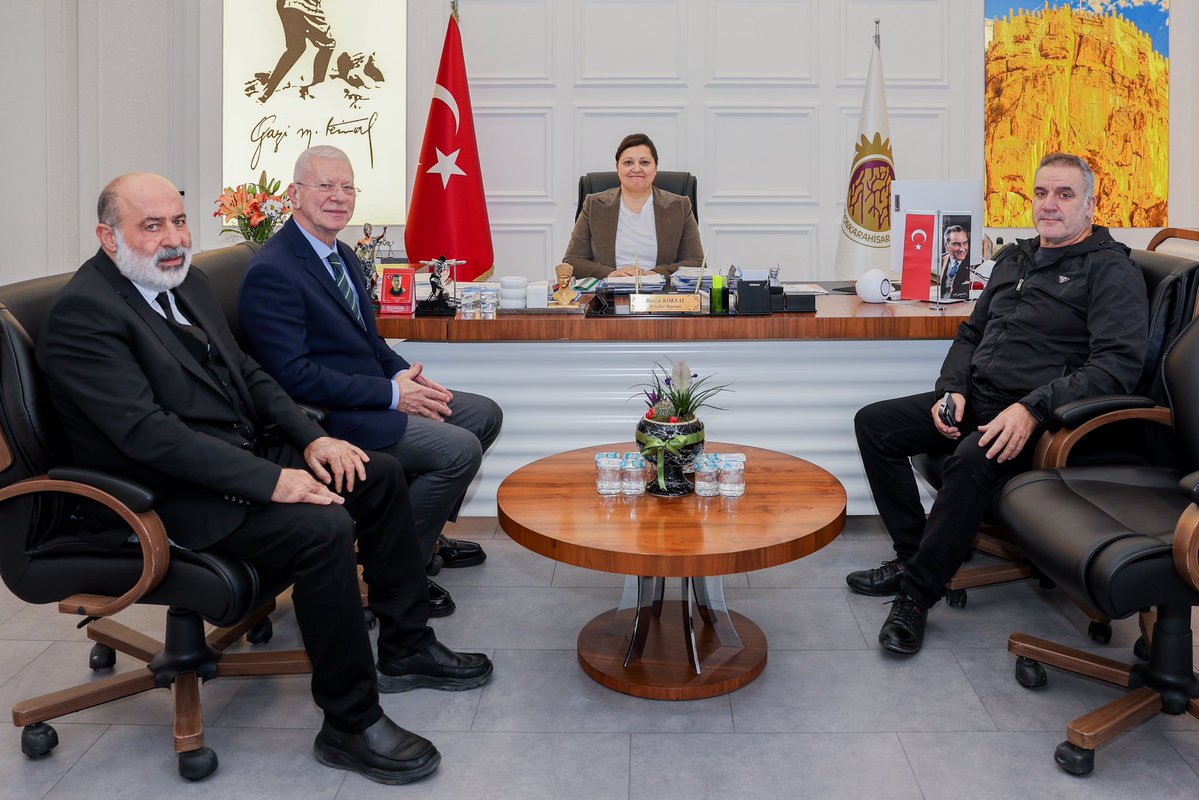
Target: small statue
{"points": [[441, 286], [566, 294], [366, 249]]}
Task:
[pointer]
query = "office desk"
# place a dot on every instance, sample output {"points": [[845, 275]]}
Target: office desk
{"points": [[649, 646], [797, 379]]}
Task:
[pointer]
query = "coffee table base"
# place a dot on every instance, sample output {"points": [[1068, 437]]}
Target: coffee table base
{"points": [[664, 671]]}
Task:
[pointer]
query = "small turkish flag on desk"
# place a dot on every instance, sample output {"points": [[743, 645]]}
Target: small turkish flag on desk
{"points": [[448, 213], [919, 250]]}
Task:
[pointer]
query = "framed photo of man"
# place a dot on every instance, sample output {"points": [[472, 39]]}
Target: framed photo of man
{"points": [[397, 290], [953, 271]]}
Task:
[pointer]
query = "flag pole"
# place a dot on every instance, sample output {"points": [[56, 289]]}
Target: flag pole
{"points": [[454, 9]]}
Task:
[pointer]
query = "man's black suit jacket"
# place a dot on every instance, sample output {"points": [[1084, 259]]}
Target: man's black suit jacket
{"points": [[134, 402]]}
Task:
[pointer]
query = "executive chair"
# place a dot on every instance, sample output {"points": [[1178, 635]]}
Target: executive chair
{"points": [[52, 514], [683, 183], [1176, 241], [1172, 284], [1125, 540]]}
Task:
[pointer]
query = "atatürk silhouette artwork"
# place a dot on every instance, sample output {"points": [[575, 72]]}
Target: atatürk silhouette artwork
{"points": [[303, 23]]}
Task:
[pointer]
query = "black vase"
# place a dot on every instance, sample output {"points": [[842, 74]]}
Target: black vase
{"points": [[672, 448]]}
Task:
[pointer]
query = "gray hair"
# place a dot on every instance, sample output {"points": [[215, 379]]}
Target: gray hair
{"points": [[955, 229], [1079, 163], [106, 207], [320, 151]]}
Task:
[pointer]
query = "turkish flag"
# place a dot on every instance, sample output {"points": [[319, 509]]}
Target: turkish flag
{"points": [[919, 250], [448, 213]]}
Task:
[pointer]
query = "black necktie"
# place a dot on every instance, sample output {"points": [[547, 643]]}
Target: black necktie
{"points": [[164, 302], [343, 285]]}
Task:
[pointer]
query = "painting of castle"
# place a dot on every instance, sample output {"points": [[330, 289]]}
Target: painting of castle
{"points": [[1090, 77]]}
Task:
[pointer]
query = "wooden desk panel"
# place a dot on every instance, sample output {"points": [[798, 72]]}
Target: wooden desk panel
{"points": [[836, 317]]}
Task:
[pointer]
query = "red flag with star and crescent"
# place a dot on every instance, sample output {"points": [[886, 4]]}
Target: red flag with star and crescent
{"points": [[919, 252], [448, 213]]}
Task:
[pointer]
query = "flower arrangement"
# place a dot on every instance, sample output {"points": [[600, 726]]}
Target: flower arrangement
{"points": [[256, 208], [675, 395]]}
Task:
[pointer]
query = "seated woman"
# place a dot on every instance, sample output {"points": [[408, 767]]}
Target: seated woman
{"points": [[620, 228]]}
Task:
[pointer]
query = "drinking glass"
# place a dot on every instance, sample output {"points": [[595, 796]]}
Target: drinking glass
{"points": [[707, 470], [633, 476], [608, 475], [732, 478], [489, 301]]}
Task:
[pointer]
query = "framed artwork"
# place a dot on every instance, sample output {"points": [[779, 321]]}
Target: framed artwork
{"points": [[397, 290], [1088, 77], [299, 73]]}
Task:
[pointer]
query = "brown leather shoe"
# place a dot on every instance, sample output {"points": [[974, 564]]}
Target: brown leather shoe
{"points": [[384, 752]]}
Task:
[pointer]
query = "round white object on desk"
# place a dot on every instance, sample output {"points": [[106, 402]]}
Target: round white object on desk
{"points": [[512, 302], [874, 287], [513, 293], [514, 282]]}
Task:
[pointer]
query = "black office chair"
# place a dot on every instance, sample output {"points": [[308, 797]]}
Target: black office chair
{"points": [[1172, 283], [676, 182], [1125, 540], [51, 515]]}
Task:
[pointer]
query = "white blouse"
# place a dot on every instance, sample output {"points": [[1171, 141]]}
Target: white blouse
{"points": [[637, 236]]}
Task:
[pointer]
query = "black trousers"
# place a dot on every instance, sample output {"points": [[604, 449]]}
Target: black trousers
{"points": [[315, 546], [889, 433]]}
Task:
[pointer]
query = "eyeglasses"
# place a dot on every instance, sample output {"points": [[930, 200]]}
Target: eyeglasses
{"points": [[329, 188]]}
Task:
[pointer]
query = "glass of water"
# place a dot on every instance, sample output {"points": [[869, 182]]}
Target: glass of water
{"points": [[732, 478], [489, 301], [607, 479], [470, 302], [707, 469], [633, 476]]}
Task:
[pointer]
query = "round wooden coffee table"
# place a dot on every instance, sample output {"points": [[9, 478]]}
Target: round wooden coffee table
{"points": [[649, 646]]}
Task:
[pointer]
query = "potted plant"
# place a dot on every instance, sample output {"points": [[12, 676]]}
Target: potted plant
{"points": [[670, 434]]}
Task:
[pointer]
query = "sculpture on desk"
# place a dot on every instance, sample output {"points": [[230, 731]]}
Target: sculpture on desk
{"points": [[566, 294], [366, 249], [441, 285]]}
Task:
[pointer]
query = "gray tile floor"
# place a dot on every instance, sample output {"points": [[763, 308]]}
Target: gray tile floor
{"points": [[832, 716]]}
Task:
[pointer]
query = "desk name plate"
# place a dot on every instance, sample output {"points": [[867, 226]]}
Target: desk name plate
{"points": [[688, 303]]}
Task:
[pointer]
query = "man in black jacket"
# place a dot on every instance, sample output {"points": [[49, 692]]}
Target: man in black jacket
{"points": [[1064, 317]]}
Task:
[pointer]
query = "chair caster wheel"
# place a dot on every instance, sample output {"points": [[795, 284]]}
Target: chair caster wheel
{"points": [[1140, 649], [434, 566], [261, 633], [1046, 583], [196, 765], [38, 740], [1030, 674], [1074, 759], [101, 657], [1100, 632], [956, 598], [371, 619]]}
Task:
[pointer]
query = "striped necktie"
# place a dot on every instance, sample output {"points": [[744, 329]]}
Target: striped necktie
{"points": [[343, 285]]}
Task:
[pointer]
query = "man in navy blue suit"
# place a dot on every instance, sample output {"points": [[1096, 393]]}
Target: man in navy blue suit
{"points": [[307, 314]]}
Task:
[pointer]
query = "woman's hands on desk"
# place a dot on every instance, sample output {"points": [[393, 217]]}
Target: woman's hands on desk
{"points": [[619, 271], [421, 396]]}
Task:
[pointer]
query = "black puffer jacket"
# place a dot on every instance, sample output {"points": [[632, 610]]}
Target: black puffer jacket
{"points": [[1044, 336]]}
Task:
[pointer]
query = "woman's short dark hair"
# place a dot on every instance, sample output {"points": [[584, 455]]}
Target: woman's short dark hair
{"points": [[636, 140]]}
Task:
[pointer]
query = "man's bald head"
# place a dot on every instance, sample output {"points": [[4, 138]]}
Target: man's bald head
{"points": [[143, 229]]}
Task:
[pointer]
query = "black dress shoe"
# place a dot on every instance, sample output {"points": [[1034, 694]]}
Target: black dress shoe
{"points": [[877, 582], [384, 752], [459, 552], [434, 566], [903, 632], [435, 667], [440, 602]]}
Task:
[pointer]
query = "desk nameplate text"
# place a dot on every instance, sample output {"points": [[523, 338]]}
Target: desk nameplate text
{"points": [[664, 303]]}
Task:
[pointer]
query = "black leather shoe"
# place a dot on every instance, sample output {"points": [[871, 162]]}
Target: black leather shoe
{"points": [[877, 582], [384, 752], [435, 667], [459, 552], [903, 632], [434, 566], [440, 602]]}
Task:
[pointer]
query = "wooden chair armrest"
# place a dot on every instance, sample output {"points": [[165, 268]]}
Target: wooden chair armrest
{"points": [[1186, 546], [151, 536], [1053, 449]]}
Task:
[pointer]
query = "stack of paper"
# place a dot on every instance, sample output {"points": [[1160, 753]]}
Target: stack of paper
{"points": [[623, 284]]}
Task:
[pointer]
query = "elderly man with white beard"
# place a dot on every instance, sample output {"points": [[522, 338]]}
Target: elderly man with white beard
{"points": [[151, 385]]}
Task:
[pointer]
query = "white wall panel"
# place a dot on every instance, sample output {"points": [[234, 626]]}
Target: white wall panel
{"points": [[791, 246], [759, 43], [516, 151], [794, 397], [631, 42], [524, 248], [914, 41], [600, 127], [761, 154], [510, 43]]}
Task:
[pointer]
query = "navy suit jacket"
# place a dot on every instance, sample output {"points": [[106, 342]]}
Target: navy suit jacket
{"points": [[303, 332]]}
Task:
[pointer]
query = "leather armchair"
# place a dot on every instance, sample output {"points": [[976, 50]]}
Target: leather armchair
{"points": [[683, 183], [1172, 283], [1123, 540], [52, 515]]}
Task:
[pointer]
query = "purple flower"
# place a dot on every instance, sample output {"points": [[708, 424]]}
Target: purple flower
{"points": [[668, 382]]}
